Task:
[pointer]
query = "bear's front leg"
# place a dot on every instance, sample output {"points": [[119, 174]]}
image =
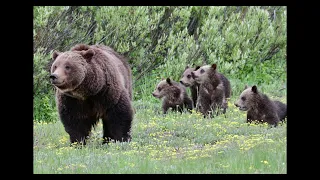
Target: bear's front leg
{"points": [[75, 118], [204, 102], [76, 136], [188, 103], [77, 128], [249, 117], [218, 101], [117, 121], [165, 106]]}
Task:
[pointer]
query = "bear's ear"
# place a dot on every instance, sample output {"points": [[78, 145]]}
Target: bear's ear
{"points": [[186, 67], [55, 55], [246, 86], [169, 81], [197, 68], [87, 54], [214, 66], [254, 89]]}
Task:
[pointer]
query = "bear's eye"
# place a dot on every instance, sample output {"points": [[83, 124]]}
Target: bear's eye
{"points": [[159, 89], [201, 71], [67, 67], [189, 76], [243, 98], [55, 67]]}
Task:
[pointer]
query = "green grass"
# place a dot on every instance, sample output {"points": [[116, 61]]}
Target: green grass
{"points": [[172, 144]]}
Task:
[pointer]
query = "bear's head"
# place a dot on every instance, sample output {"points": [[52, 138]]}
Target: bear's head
{"points": [[246, 99], [203, 73], [166, 87], [187, 79], [69, 68]]}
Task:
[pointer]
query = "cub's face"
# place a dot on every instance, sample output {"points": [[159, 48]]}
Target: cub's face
{"points": [[187, 79], [201, 74], [68, 70], [160, 90], [244, 103]]}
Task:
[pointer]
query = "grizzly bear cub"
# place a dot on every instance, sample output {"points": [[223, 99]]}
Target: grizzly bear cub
{"points": [[174, 95], [260, 108], [188, 81], [214, 90], [92, 83]]}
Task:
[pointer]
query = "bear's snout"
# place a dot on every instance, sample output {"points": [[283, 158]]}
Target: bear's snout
{"points": [[193, 75], [53, 78], [184, 83], [154, 94]]}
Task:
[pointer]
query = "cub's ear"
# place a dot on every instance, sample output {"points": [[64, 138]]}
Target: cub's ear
{"points": [[186, 67], [254, 89], [246, 86], [88, 54], [197, 68], [55, 55], [214, 66], [169, 81]]}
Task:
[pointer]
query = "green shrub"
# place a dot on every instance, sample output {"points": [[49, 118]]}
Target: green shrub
{"points": [[248, 43], [43, 97]]}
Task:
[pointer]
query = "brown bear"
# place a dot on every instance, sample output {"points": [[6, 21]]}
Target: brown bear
{"points": [[214, 89], [259, 107], [173, 95], [93, 82], [188, 81]]}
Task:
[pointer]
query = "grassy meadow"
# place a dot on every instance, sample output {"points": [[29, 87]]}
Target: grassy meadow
{"points": [[171, 144]]}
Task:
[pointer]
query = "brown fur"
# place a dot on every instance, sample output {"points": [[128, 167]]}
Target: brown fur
{"points": [[259, 107], [188, 81], [110, 51], [173, 95], [93, 82], [213, 91], [281, 110]]}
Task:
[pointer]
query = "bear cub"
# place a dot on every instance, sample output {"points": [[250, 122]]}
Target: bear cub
{"points": [[173, 95], [260, 108], [188, 81], [214, 90]]}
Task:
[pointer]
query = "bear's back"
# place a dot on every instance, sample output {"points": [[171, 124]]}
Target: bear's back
{"points": [[119, 61], [281, 109]]}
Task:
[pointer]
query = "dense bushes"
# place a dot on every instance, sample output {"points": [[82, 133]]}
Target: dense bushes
{"points": [[247, 43]]}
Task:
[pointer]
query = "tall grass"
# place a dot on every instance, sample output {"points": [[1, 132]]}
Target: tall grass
{"points": [[170, 144]]}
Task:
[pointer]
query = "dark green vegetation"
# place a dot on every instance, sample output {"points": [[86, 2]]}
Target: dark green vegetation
{"points": [[247, 43]]}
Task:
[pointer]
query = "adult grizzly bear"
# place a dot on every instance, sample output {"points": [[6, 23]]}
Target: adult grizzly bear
{"points": [[93, 82], [174, 95], [213, 91], [259, 107], [188, 81]]}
